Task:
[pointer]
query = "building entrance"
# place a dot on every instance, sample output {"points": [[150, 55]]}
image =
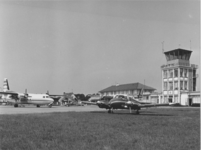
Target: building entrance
{"points": [[190, 102], [170, 99]]}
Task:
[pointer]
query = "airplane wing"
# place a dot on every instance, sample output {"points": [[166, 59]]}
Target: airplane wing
{"points": [[54, 95], [10, 93], [141, 101], [153, 105]]}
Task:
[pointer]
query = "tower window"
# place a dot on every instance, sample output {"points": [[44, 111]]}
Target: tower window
{"points": [[185, 85], [170, 86], [176, 85], [170, 73], [194, 73], [165, 73], [185, 72], [181, 85], [165, 85], [181, 72], [175, 72]]}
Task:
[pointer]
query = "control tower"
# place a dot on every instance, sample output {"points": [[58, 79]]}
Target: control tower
{"points": [[178, 75]]}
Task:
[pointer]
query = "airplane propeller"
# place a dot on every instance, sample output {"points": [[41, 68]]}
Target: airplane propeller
{"points": [[24, 97], [14, 97]]}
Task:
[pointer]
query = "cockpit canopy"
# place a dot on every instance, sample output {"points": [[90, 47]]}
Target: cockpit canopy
{"points": [[124, 97], [121, 96]]}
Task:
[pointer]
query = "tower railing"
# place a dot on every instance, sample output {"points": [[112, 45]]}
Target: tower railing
{"points": [[179, 64]]}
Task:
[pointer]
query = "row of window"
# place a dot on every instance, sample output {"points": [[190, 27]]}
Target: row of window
{"points": [[170, 99], [169, 85], [174, 73], [46, 97], [126, 92]]}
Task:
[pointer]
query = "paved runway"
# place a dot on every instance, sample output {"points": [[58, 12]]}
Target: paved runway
{"points": [[44, 109]]}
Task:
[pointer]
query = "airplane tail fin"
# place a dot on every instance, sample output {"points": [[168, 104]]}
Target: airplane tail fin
{"points": [[5, 85], [140, 93]]}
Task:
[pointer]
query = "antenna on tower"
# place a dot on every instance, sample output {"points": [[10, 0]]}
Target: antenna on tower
{"points": [[162, 46], [190, 44]]}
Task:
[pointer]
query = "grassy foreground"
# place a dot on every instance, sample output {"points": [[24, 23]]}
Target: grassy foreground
{"points": [[153, 129]]}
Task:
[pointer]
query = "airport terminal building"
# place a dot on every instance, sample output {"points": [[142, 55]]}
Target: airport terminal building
{"points": [[178, 78], [128, 89]]}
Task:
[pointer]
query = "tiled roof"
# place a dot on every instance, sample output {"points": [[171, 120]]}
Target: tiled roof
{"points": [[124, 87]]}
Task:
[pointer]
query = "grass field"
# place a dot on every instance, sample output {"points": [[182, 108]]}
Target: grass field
{"points": [[153, 129]]}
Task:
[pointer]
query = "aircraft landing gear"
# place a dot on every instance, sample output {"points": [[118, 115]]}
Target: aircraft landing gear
{"points": [[130, 110], [37, 105], [137, 112], [110, 111], [15, 105], [50, 106]]}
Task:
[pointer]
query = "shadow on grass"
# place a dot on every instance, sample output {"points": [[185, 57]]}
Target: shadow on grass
{"points": [[133, 113]]}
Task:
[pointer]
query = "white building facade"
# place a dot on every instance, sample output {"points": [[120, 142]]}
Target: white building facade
{"points": [[178, 77]]}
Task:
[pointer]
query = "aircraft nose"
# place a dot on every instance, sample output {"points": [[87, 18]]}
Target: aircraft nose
{"points": [[129, 102], [99, 102], [51, 100]]}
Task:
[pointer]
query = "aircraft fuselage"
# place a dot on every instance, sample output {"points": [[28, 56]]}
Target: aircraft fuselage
{"points": [[36, 99]]}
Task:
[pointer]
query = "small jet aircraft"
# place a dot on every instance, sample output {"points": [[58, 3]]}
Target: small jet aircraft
{"points": [[24, 98], [125, 102]]}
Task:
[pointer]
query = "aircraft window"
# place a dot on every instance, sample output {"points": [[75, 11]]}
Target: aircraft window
{"points": [[121, 96], [43, 96], [118, 96]]}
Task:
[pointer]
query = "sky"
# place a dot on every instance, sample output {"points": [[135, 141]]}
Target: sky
{"points": [[86, 46]]}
